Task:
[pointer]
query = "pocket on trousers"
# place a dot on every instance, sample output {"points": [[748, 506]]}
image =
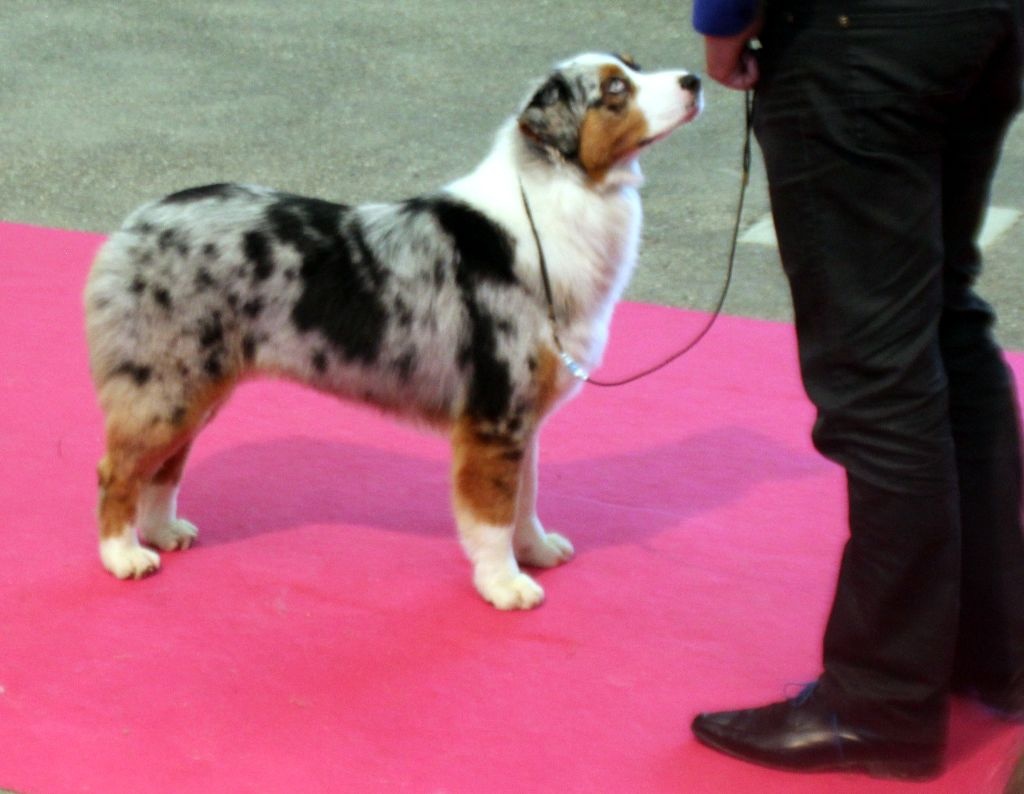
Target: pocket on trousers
{"points": [[906, 72]]}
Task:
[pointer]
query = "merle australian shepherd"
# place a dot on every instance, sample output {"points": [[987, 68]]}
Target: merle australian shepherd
{"points": [[431, 308]]}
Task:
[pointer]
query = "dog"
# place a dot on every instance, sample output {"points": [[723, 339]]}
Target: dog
{"points": [[432, 309]]}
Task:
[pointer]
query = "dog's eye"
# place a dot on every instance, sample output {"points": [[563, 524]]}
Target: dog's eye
{"points": [[615, 92], [616, 86]]}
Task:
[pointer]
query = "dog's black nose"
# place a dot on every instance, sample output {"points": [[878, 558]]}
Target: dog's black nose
{"points": [[690, 82]]}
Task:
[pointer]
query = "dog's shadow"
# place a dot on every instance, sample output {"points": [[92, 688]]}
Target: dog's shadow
{"points": [[277, 485]]}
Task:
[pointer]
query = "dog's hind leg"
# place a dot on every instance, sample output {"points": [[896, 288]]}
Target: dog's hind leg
{"points": [[533, 545], [486, 484], [139, 478], [123, 473], [158, 521]]}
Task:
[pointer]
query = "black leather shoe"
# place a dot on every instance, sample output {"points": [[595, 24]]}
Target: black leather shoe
{"points": [[803, 734]]}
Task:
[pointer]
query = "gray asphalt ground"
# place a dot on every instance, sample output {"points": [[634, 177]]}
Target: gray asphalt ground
{"points": [[104, 105]]}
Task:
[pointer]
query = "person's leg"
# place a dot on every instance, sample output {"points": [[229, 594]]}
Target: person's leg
{"points": [[990, 646], [983, 405], [851, 116], [855, 177]]}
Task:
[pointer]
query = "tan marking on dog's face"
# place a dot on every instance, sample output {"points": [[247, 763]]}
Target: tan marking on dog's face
{"points": [[612, 128], [486, 473]]}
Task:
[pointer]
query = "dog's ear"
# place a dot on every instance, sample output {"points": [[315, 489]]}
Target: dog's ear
{"points": [[629, 60], [551, 117]]}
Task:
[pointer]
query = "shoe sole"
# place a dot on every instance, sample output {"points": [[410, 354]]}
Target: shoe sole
{"points": [[887, 770]]}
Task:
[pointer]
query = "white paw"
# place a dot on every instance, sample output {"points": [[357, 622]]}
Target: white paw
{"points": [[517, 591], [171, 536], [546, 551], [126, 559]]}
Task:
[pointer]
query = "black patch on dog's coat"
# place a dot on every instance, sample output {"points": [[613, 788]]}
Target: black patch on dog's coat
{"points": [[486, 251], [256, 248], [170, 238], [287, 225], [485, 254], [490, 388], [253, 308], [163, 297], [364, 258], [212, 366], [249, 347], [203, 278], [325, 217], [219, 191], [339, 291], [138, 373], [211, 332], [306, 222]]}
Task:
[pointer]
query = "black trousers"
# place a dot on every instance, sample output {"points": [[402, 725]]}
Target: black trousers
{"points": [[881, 123]]}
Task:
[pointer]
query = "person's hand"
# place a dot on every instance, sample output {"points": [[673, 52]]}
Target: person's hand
{"points": [[730, 61]]}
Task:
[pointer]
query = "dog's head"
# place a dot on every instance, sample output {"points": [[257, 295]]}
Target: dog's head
{"points": [[599, 111]]}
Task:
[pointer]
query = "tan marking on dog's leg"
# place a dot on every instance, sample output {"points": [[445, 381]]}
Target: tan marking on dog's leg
{"points": [[138, 459], [549, 366], [533, 545], [158, 520], [120, 485], [486, 486]]}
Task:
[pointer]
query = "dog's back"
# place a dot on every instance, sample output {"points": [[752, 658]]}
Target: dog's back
{"points": [[388, 303]]}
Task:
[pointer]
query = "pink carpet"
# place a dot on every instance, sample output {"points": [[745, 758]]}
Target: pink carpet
{"points": [[324, 635]]}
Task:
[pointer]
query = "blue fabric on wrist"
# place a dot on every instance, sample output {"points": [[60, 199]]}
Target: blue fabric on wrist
{"points": [[723, 17]]}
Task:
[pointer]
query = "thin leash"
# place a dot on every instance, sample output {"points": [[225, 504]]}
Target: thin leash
{"points": [[571, 364]]}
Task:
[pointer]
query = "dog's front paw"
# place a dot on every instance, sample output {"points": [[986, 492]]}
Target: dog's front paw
{"points": [[126, 559], [171, 536], [545, 550], [516, 591]]}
